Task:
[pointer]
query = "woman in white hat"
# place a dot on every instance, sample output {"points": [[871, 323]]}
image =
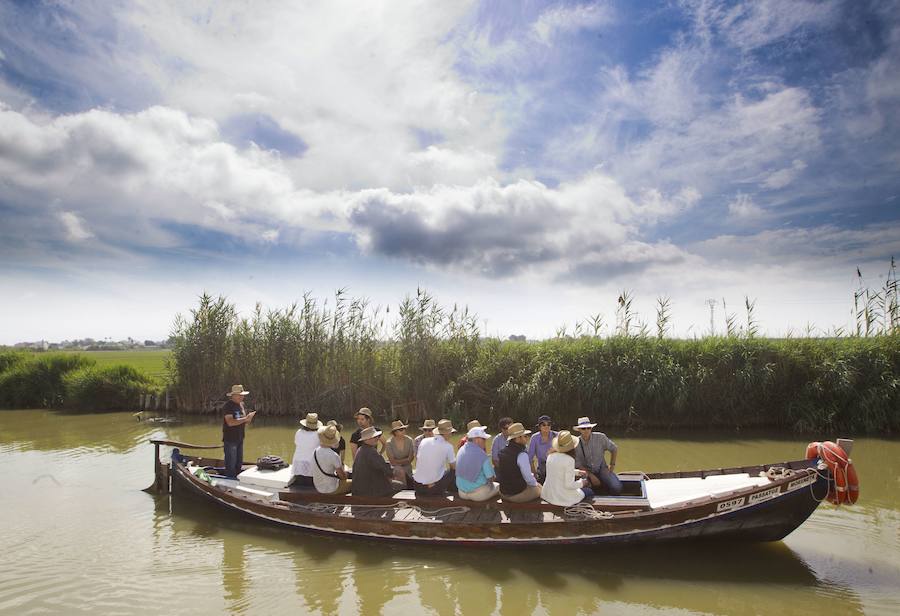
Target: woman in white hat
{"points": [[306, 440], [565, 486]]}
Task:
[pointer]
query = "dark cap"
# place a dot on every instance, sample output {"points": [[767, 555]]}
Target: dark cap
{"points": [[543, 419]]}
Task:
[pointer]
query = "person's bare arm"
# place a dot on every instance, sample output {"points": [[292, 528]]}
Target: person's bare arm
{"points": [[231, 421]]}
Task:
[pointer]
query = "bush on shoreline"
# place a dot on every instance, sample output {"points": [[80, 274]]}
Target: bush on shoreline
{"points": [[109, 388], [334, 360], [67, 381]]}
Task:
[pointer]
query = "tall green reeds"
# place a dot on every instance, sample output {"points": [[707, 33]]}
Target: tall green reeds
{"points": [[336, 356]]}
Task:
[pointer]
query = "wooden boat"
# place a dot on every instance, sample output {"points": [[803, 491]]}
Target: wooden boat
{"points": [[750, 503]]}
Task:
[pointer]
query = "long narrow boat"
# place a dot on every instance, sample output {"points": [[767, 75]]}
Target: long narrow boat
{"points": [[751, 503]]}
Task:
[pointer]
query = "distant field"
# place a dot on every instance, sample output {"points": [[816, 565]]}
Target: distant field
{"points": [[151, 362]]}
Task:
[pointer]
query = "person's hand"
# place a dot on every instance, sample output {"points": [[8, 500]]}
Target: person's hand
{"points": [[250, 416]]}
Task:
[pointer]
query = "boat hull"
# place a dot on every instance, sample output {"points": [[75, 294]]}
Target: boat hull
{"points": [[767, 513]]}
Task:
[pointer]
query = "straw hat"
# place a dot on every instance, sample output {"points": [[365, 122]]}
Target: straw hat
{"points": [[428, 425], [584, 422], [329, 436], [398, 425], [445, 426], [312, 421], [477, 432], [338, 426], [564, 442], [364, 411], [473, 424], [516, 430], [237, 389], [368, 433]]}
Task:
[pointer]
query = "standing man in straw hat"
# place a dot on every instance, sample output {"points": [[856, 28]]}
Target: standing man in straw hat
{"points": [[306, 440], [236, 417], [328, 471], [436, 460], [590, 456], [517, 482]]}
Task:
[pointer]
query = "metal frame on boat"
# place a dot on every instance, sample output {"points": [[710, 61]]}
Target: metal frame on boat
{"points": [[752, 503]]}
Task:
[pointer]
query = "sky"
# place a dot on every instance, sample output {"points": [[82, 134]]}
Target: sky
{"points": [[531, 160]]}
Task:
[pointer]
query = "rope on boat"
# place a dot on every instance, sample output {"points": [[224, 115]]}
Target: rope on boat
{"points": [[778, 472], [586, 511], [331, 508]]}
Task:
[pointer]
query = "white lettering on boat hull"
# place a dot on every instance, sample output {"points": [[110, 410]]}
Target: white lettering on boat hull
{"points": [[766, 495], [728, 505], [799, 483]]}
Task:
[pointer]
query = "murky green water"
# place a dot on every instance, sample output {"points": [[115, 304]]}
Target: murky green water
{"points": [[78, 535]]}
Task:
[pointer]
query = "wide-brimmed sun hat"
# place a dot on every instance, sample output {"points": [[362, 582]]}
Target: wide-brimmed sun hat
{"points": [[329, 436], [311, 422], [516, 430], [473, 424], [237, 390], [370, 432], [564, 442], [428, 424], [445, 426], [398, 425], [477, 432], [332, 422], [584, 422], [364, 411]]}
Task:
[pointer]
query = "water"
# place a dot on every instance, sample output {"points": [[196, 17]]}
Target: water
{"points": [[78, 535]]}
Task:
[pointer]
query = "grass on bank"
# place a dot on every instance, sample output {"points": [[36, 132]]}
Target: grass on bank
{"points": [[69, 381]]}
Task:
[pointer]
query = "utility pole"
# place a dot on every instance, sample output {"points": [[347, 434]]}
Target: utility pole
{"points": [[712, 316]]}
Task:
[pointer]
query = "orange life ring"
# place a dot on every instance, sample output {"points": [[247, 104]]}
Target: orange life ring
{"points": [[812, 450], [844, 484], [852, 484]]}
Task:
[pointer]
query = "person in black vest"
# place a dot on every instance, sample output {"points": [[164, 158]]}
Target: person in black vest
{"points": [[372, 474], [517, 482], [236, 417]]}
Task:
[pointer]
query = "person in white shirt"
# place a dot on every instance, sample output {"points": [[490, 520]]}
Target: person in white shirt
{"points": [[435, 463], [306, 440], [329, 476], [565, 486]]}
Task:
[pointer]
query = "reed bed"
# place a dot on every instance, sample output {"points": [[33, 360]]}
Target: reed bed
{"points": [[335, 357]]}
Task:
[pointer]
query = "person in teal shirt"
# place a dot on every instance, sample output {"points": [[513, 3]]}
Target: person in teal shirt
{"points": [[474, 471]]}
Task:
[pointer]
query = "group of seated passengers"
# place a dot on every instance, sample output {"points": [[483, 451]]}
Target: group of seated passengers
{"points": [[558, 467]]}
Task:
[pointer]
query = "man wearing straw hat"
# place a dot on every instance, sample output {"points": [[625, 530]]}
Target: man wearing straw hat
{"points": [[235, 419], [306, 440], [517, 482], [329, 475], [434, 474], [427, 429], [372, 473], [590, 456]]}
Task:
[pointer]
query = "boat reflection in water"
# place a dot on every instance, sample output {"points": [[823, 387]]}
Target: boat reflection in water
{"points": [[337, 575]]}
